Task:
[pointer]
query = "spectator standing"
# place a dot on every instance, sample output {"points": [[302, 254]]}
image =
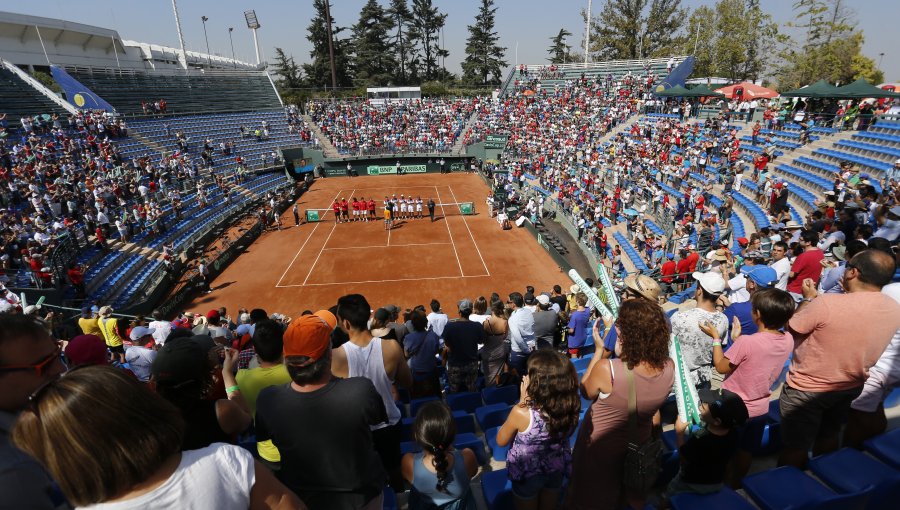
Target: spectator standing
{"points": [[321, 424], [383, 363], [109, 327], [545, 323], [600, 448], [521, 333], [577, 327], [781, 264], [695, 344], [160, 327], [420, 347], [141, 353], [88, 321], [495, 351], [636, 287], [461, 340], [820, 384], [807, 265], [437, 319]]}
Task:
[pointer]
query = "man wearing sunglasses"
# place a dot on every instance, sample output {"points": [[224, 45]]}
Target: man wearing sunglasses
{"points": [[29, 358]]}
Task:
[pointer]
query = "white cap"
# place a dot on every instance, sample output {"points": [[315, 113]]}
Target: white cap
{"points": [[710, 282], [140, 332], [543, 299]]}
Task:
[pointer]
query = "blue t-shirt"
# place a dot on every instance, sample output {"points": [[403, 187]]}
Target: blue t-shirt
{"points": [[578, 322], [423, 346], [743, 312]]}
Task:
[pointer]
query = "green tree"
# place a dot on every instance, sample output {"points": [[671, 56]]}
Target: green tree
{"points": [[633, 29], [401, 19], [288, 77], [663, 26], [560, 52], [318, 70], [701, 42], [425, 34], [484, 57], [373, 62]]}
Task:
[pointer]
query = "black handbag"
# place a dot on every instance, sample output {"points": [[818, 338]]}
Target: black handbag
{"points": [[643, 462]]}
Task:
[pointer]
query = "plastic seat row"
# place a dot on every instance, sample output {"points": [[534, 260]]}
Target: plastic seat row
{"points": [[859, 160], [871, 148], [631, 252]]}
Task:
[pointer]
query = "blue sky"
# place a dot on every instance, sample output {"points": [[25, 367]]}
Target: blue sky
{"points": [[526, 24]]}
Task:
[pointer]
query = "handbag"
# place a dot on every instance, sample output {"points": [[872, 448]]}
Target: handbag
{"points": [[643, 462]]}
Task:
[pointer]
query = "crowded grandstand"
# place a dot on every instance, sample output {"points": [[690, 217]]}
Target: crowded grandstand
{"points": [[723, 331]]}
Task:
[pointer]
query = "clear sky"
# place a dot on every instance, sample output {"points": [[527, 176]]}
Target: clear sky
{"points": [[523, 24]]}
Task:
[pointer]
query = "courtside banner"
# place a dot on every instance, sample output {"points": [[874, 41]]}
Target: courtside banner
{"points": [[77, 94], [383, 170]]}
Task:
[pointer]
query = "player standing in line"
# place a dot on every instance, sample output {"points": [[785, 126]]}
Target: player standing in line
{"points": [[402, 207], [419, 207], [395, 207], [345, 216], [336, 207], [354, 206], [371, 209]]}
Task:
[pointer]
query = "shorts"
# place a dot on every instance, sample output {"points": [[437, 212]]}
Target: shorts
{"points": [[806, 415], [387, 443], [119, 349], [877, 387], [574, 351], [531, 487], [679, 486], [462, 377]]}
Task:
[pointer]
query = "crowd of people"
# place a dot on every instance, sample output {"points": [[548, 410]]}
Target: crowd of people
{"points": [[414, 126]]}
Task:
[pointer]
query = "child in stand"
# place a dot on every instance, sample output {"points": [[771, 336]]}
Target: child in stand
{"points": [[704, 455], [439, 475], [539, 428]]}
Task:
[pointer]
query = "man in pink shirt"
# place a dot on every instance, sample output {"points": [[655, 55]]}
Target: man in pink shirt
{"points": [[838, 337], [807, 265]]}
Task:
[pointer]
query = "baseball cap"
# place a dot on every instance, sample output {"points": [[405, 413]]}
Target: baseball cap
{"points": [[670, 256], [574, 289], [754, 254], [181, 361], [87, 350], [543, 299], [140, 332], [466, 304], [764, 276], [105, 310], [726, 406], [643, 285], [328, 317], [213, 315], [309, 336], [710, 282]]}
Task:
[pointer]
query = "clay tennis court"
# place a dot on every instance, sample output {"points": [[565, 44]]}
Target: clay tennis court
{"points": [[310, 266]]}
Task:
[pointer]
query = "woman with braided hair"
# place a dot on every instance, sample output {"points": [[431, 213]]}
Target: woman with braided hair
{"points": [[439, 474]]}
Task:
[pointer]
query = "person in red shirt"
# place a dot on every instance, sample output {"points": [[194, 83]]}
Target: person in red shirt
{"points": [[756, 129], [667, 271], [370, 205], [807, 265], [683, 269], [76, 276], [336, 208], [345, 215]]}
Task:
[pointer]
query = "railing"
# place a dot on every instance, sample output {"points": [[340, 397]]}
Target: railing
{"points": [[39, 87]]}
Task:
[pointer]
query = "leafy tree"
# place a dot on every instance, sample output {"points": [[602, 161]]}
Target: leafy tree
{"points": [[663, 33], [288, 77], [484, 57], [560, 52], [373, 62], [318, 70], [633, 29], [401, 19], [425, 34]]}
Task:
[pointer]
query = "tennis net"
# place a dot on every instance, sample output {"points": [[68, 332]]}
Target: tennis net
{"points": [[442, 209]]}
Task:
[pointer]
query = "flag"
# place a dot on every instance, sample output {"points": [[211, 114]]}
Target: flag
{"points": [[76, 93]]}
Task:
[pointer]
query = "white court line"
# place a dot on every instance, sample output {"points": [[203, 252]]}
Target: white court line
{"points": [[446, 224], [384, 281], [313, 266], [383, 246], [470, 233], [304, 242]]}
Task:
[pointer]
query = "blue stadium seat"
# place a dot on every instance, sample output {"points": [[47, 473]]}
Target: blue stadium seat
{"points": [[788, 487], [508, 395], [390, 500], [497, 490], [849, 471], [415, 404], [465, 422], [492, 415], [473, 442], [886, 448], [724, 499], [467, 401], [582, 363]]}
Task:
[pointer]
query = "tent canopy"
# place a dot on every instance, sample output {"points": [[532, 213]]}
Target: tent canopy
{"points": [[703, 91], [820, 88], [676, 91], [751, 91], [679, 91], [861, 89]]}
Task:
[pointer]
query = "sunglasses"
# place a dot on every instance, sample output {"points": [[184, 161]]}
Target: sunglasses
{"points": [[38, 368], [37, 394]]}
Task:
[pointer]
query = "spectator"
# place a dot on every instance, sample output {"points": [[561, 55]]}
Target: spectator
{"points": [[421, 348], [461, 340], [545, 323], [636, 287], [521, 333], [29, 359], [321, 424], [439, 475], [781, 263], [686, 327], [160, 327], [437, 319], [820, 385], [106, 468], [600, 448], [268, 345], [495, 351], [88, 321], [578, 325], [141, 353], [539, 427], [758, 277], [109, 328], [807, 265], [383, 363]]}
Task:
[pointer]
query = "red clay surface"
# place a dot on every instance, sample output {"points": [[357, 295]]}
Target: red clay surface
{"points": [[310, 266]]}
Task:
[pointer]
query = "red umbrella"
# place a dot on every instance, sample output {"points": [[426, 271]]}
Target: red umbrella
{"points": [[751, 91]]}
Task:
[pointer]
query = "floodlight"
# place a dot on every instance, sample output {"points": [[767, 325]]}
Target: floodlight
{"points": [[252, 20]]}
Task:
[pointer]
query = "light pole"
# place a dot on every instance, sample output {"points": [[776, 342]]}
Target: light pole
{"points": [[233, 60], [880, 57], [208, 59]]}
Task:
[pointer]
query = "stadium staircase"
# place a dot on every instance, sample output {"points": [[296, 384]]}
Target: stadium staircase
{"points": [[328, 149], [458, 148]]}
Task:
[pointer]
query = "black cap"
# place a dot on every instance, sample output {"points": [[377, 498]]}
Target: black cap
{"points": [[726, 406]]}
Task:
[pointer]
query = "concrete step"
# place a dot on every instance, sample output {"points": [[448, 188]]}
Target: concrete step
{"points": [[328, 149]]}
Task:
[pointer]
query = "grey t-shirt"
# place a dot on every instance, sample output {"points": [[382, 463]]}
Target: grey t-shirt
{"points": [[545, 323]]}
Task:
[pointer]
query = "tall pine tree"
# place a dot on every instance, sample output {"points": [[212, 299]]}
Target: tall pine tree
{"points": [[373, 62], [560, 52], [401, 19], [484, 57], [426, 29], [288, 78], [632, 29], [318, 70]]}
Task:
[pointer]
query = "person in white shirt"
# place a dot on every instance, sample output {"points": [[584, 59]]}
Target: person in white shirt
{"points": [[437, 319], [521, 333], [161, 328], [781, 263]]}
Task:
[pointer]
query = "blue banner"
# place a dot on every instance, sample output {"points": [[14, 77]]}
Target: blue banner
{"points": [[77, 94], [678, 75]]}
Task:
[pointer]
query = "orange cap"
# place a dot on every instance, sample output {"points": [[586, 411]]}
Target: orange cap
{"points": [[309, 335]]}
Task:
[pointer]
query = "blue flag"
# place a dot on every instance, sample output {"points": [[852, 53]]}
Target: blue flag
{"points": [[678, 75], [76, 93]]}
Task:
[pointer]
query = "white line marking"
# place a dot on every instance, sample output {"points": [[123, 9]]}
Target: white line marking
{"points": [[470, 233], [383, 246], [313, 266], [389, 235], [288, 268], [446, 224], [384, 281]]}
